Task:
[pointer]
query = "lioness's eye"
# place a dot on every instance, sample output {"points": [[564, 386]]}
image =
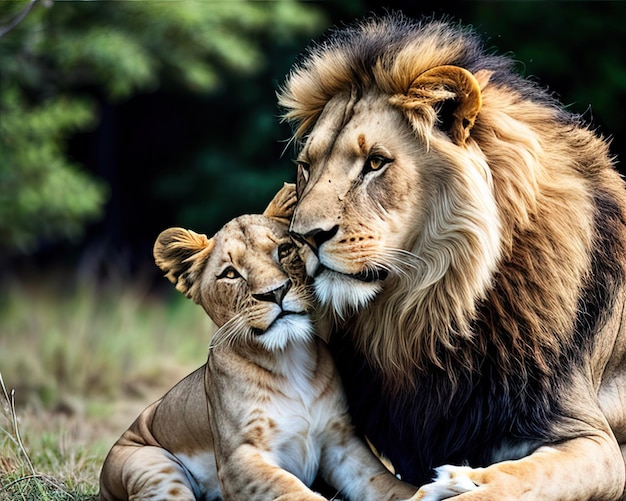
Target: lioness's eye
{"points": [[229, 273], [303, 168], [302, 177], [375, 162], [284, 250]]}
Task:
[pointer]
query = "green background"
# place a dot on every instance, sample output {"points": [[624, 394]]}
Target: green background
{"points": [[119, 119]]}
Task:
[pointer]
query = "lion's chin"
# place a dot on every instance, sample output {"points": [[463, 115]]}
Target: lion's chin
{"points": [[345, 294]]}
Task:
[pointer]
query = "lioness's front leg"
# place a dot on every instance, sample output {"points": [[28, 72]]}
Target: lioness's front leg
{"points": [[349, 465], [589, 467], [249, 473], [144, 473]]}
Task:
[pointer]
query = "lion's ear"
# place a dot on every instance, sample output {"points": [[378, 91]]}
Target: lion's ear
{"points": [[283, 204], [182, 255], [453, 91]]}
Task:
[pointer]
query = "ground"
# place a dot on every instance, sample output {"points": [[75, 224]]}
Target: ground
{"points": [[78, 365]]}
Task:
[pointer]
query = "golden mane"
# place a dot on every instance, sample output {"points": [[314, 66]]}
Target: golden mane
{"points": [[519, 290], [385, 53]]}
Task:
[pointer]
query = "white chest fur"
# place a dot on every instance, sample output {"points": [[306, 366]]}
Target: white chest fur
{"points": [[303, 410], [291, 396]]}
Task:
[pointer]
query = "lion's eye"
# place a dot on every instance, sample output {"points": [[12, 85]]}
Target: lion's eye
{"points": [[229, 273], [375, 162]]}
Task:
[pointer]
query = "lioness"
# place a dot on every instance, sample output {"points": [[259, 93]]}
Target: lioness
{"points": [[266, 411], [468, 235]]}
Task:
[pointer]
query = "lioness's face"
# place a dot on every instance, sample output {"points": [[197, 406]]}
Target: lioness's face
{"points": [[359, 197], [248, 277], [254, 270]]}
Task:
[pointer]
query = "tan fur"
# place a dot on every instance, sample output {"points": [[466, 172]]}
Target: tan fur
{"points": [[479, 237], [440, 84], [266, 411]]}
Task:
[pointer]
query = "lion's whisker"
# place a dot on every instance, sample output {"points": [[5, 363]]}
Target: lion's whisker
{"points": [[403, 253], [388, 266], [400, 261]]}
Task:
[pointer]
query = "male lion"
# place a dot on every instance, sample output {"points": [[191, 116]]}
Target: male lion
{"points": [[267, 410], [469, 239]]}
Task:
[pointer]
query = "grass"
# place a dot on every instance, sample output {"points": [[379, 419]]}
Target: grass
{"points": [[20, 479], [79, 363]]}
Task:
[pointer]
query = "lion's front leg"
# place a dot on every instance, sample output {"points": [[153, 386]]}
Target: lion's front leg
{"points": [[580, 469], [449, 481]]}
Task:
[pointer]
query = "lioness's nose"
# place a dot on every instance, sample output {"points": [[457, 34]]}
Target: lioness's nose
{"points": [[275, 295], [316, 237]]}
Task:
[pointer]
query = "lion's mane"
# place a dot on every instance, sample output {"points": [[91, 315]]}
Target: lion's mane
{"points": [[556, 263]]}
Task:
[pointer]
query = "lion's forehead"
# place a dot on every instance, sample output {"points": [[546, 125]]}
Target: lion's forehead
{"points": [[353, 130], [337, 157], [329, 125]]}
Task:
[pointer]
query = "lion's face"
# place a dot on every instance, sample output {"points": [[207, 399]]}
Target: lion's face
{"points": [[392, 187], [248, 278], [361, 189]]}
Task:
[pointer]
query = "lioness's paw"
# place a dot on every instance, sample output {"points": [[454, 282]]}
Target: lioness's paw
{"points": [[450, 481]]}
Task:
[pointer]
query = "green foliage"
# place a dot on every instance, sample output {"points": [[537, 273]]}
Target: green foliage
{"points": [[577, 46], [131, 46], [113, 50], [42, 193], [224, 185]]}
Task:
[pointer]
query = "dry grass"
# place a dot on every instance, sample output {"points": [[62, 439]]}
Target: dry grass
{"points": [[79, 365]]}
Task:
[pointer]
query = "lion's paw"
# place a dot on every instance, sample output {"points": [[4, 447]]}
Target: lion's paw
{"points": [[450, 481]]}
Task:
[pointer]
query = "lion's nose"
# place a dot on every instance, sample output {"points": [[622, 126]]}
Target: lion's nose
{"points": [[316, 237], [275, 295]]}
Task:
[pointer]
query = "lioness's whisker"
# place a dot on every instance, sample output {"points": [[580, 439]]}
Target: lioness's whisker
{"points": [[235, 327]]}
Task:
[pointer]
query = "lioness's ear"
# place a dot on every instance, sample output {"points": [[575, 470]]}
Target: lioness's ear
{"points": [[182, 254], [283, 204], [453, 90]]}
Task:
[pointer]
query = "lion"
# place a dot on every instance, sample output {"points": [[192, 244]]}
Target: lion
{"points": [[467, 236], [266, 411]]}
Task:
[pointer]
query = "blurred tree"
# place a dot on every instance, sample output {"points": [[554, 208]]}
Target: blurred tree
{"points": [[574, 48], [171, 105], [42, 193], [63, 61]]}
